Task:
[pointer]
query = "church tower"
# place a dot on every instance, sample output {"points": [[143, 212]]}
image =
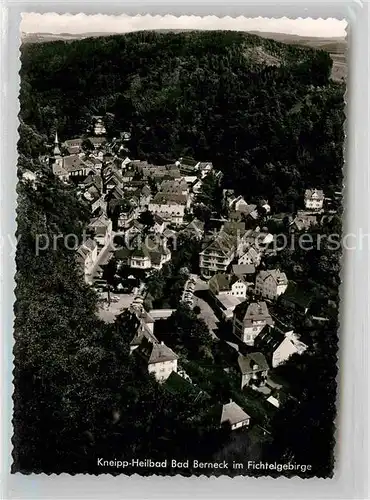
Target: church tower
{"points": [[56, 151]]}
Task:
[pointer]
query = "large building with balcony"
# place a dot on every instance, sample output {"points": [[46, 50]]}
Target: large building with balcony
{"points": [[217, 254]]}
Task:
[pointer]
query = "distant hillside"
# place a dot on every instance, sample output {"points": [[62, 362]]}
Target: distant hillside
{"points": [[335, 46]]}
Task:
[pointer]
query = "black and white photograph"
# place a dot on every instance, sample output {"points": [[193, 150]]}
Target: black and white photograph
{"points": [[179, 245]]}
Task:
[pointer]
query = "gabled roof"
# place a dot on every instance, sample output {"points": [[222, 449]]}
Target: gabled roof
{"points": [[248, 312], [143, 332], [158, 219], [155, 353], [219, 283], [222, 243], [169, 199], [252, 363], [100, 223], [233, 413], [314, 193], [234, 228], [72, 163], [297, 295], [252, 253], [194, 227], [241, 270], [278, 276]]}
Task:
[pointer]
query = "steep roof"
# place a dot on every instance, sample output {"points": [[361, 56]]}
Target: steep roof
{"points": [[297, 295], [219, 283], [276, 274], [155, 353], [72, 163], [221, 243], [169, 199], [252, 363], [241, 270], [248, 312], [314, 193], [233, 413]]}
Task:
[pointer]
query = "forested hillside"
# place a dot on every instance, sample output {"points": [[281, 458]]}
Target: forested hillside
{"points": [[264, 112]]}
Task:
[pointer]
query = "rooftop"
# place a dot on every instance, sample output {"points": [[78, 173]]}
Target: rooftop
{"points": [[232, 413], [252, 363]]}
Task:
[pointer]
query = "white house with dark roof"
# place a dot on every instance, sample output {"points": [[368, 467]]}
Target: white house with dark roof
{"points": [[102, 229], [279, 346], [252, 256], [234, 415], [227, 284], [249, 320], [169, 206], [99, 127], [271, 283], [314, 199], [159, 359], [217, 254], [87, 254], [254, 369], [148, 253]]}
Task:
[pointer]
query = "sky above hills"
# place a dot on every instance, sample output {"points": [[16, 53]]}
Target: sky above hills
{"points": [[76, 24]]}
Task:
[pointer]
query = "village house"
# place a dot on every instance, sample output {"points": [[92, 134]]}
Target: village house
{"points": [[101, 227], [278, 346], [171, 207], [175, 186], [197, 186], [239, 205], [98, 124], [249, 320], [97, 142], [142, 332], [271, 283], [94, 162], [73, 146], [252, 256], [235, 416], [125, 162], [95, 181], [126, 212], [225, 284], [71, 166], [204, 167], [112, 180], [246, 271], [296, 298], [254, 369], [87, 254], [195, 229], [144, 253], [159, 359], [159, 224], [303, 221], [217, 254], [314, 199], [98, 203]]}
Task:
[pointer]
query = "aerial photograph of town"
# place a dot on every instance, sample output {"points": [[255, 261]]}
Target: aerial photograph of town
{"points": [[178, 262]]}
